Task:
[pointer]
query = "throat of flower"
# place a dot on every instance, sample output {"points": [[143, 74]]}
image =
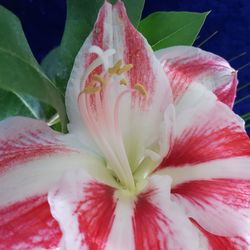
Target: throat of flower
{"points": [[103, 89]]}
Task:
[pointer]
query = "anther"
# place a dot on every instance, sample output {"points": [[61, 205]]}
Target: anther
{"points": [[99, 79], [116, 67], [125, 69], [140, 88], [91, 90], [124, 82]]}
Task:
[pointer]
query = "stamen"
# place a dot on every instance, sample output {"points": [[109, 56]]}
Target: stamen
{"points": [[103, 55], [125, 69], [152, 155], [91, 90], [140, 88], [116, 67], [124, 82], [100, 79]]}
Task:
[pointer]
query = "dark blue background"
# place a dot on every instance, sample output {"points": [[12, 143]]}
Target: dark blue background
{"points": [[43, 23]]}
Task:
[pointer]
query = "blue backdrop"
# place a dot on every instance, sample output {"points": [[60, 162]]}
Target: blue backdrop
{"points": [[43, 23]]}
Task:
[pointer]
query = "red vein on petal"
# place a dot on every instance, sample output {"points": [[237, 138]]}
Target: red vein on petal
{"points": [[27, 145], [96, 214], [147, 224], [217, 242], [136, 53], [28, 225], [231, 192], [195, 146]]}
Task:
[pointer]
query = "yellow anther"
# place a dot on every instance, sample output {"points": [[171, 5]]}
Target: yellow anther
{"points": [[91, 89], [140, 88], [116, 67], [125, 68], [124, 82], [99, 79]]}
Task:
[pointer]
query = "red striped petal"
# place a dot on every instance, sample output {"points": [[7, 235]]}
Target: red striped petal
{"points": [[223, 243], [187, 65], [194, 147], [23, 139], [220, 206], [26, 148], [96, 209], [95, 216], [160, 224], [33, 160], [206, 130], [137, 52], [84, 209], [28, 225]]}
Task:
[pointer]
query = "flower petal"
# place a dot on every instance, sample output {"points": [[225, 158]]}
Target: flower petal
{"points": [[81, 204], [223, 243], [206, 130], [121, 105], [159, 223], [209, 163], [220, 206], [186, 65], [33, 159], [84, 208], [29, 225]]}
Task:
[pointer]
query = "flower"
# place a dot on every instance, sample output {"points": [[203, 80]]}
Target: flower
{"points": [[154, 159]]}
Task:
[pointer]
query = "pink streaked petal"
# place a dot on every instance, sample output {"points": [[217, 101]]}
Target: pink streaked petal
{"points": [[223, 243], [95, 216], [187, 65], [227, 93], [84, 208], [26, 172], [137, 52], [33, 159], [206, 130], [29, 225], [24, 139], [141, 120], [236, 167], [29, 151], [220, 206], [159, 224]]}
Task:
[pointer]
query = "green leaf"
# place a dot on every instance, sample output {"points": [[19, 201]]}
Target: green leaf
{"points": [[19, 71], [165, 29], [81, 16], [56, 69], [13, 104]]}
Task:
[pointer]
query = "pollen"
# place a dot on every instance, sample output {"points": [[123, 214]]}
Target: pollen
{"points": [[141, 89], [116, 67], [99, 79], [125, 69], [91, 89], [124, 82]]}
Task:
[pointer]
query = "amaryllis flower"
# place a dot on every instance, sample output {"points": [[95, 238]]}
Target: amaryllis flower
{"points": [[154, 157]]}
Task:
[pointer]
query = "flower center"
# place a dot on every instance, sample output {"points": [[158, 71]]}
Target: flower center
{"points": [[105, 92]]}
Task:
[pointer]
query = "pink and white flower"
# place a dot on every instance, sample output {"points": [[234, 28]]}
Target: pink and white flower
{"points": [[154, 157]]}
